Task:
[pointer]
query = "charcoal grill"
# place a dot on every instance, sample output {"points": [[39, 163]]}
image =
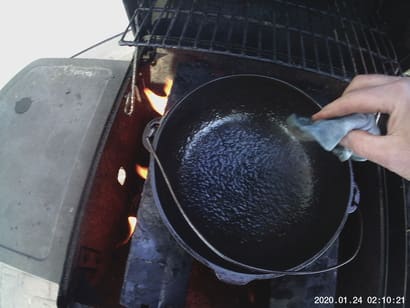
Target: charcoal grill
{"points": [[315, 45]]}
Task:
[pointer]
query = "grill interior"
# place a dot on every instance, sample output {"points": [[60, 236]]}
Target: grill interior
{"points": [[192, 42], [335, 38]]}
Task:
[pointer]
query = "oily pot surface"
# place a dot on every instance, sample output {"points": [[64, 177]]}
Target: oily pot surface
{"points": [[255, 192]]}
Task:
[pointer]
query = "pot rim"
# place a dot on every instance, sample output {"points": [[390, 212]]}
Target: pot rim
{"points": [[263, 273]]}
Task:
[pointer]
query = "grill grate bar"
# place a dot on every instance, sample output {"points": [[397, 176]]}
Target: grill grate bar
{"points": [[229, 35], [215, 29], [245, 36], [314, 41], [337, 45], [289, 45], [378, 51], [198, 33], [386, 49], [347, 40], [162, 13], [329, 56], [396, 69], [139, 26], [366, 40], [174, 17], [356, 38], [274, 37], [333, 41], [186, 23]]}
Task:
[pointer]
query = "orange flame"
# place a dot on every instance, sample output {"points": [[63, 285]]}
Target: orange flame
{"points": [[142, 171], [158, 102], [132, 224], [168, 86]]}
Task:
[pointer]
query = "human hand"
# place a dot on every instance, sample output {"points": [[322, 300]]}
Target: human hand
{"points": [[370, 94]]}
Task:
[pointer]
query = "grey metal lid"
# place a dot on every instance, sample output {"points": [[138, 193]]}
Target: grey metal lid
{"points": [[52, 116]]}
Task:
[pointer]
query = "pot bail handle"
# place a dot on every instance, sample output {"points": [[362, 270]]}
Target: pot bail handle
{"points": [[353, 206], [149, 133]]}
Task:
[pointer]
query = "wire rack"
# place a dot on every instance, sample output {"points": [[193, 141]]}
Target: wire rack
{"points": [[339, 38]]}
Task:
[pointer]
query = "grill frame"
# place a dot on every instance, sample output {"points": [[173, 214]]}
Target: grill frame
{"points": [[335, 40]]}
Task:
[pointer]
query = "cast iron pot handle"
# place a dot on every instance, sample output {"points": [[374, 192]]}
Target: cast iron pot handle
{"points": [[354, 205], [149, 133]]}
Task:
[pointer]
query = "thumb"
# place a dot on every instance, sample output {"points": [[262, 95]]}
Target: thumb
{"points": [[375, 148]]}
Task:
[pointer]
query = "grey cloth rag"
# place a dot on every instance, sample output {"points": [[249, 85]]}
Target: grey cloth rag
{"points": [[329, 133]]}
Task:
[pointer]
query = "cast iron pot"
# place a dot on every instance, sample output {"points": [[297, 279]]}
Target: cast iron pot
{"points": [[237, 189]]}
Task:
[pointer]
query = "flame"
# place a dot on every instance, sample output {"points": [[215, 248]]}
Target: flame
{"points": [[168, 86], [158, 102], [142, 171], [132, 223]]}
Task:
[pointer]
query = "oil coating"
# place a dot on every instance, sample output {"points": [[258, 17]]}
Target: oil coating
{"points": [[234, 176], [244, 180], [254, 191]]}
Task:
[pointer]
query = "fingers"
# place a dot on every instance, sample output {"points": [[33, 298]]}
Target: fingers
{"points": [[370, 94], [365, 81], [381, 98], [366, 101], [378, 149]]}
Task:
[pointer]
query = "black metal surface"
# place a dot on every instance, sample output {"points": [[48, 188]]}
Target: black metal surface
{"points": [[339, 38], [369, 274], [194, 69], [380, 269], [222, 147], [397, 235], [300, 291], [155, 258], [158, 268], [291, 291]]}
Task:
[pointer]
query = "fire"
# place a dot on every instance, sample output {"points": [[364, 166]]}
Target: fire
{"points": [[158, 102], [132, 223], [142, 171], [168, 86]]}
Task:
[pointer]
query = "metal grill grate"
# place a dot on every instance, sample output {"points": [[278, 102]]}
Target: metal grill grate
{"points": [[339, 38]]}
